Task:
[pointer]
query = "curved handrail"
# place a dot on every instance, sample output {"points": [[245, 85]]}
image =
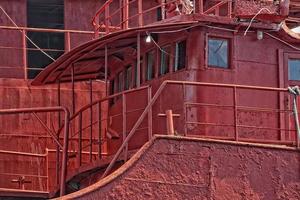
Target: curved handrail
{"points": [[124, 10], [157, 94], [101, 9], [105, 99]]}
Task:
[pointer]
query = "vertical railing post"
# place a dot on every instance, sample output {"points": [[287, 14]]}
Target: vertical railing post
{"points": [[124, 124], [140, 11], [73, 89], [59, 124], [24, 53], [138, 61], [47, 169], [295, 110], [99, 131], [65, 155], [184, 110], [126, 14], [229, 9], [68, 41], [201, 10], [121, 13], [96, 28], [106, 70], [91, 120], [107, 19], [236, 135], [150, 125], [170, 123], [80, 139]]}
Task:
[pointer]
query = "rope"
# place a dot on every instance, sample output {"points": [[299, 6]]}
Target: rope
{"points": [[251, 21]]}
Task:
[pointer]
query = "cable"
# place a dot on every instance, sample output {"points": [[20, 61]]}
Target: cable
{"points": [[251, 21], [149, 35], [276, 38], [36, 46]]}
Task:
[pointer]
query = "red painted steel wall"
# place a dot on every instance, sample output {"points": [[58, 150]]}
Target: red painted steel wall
{"points": [[11, 63], [198, 169], [23, 133], [251, 64]]}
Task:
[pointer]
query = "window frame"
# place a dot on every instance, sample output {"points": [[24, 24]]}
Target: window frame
{"points": [[230, 39], [170, 46], [186, 55], [32, 70], [145, 66], [128, 83], [290, 55]]}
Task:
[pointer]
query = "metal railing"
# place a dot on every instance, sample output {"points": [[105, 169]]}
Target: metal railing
{"points": [[132, 14], [22, 182], [234, 106], [96, 125], [20, 45], [54, 136]]}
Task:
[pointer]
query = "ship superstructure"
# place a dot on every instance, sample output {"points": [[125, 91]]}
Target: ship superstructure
{"points": [[219, 78]]}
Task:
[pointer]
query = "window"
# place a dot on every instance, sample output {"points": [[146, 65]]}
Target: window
{"points": [[180, 55], [44, 14], [112, 86], [128, 77], [165, 60], [150, 68], [294, 69], [120, 82], [218, 53], [134, 84]]}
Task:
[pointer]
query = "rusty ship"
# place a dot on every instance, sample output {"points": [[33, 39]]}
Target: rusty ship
{"points": [[153, 99]]}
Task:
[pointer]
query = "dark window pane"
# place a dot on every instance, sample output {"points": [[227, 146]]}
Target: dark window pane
{"points": [[150, 71], [294, 69], [180, 55], [120, 82], [159, 14], [45, 14], [165, 60], [128, 78], [46, 40], [218, 53], [112, 86], [134, 83], [32, 73], [36, 59]]}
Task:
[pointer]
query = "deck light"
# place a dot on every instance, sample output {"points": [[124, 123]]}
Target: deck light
{"points": [[148, 39], [260, 35]]}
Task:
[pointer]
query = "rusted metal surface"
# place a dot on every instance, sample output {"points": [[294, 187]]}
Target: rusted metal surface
{"points": [[249, 116], [65, 136], [193, 168], [25, 136]]}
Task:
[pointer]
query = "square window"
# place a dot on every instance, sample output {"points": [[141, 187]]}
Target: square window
{"points": [[294, 69], [218, 52], [180, 55], [150, 70], [165, 60]]}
